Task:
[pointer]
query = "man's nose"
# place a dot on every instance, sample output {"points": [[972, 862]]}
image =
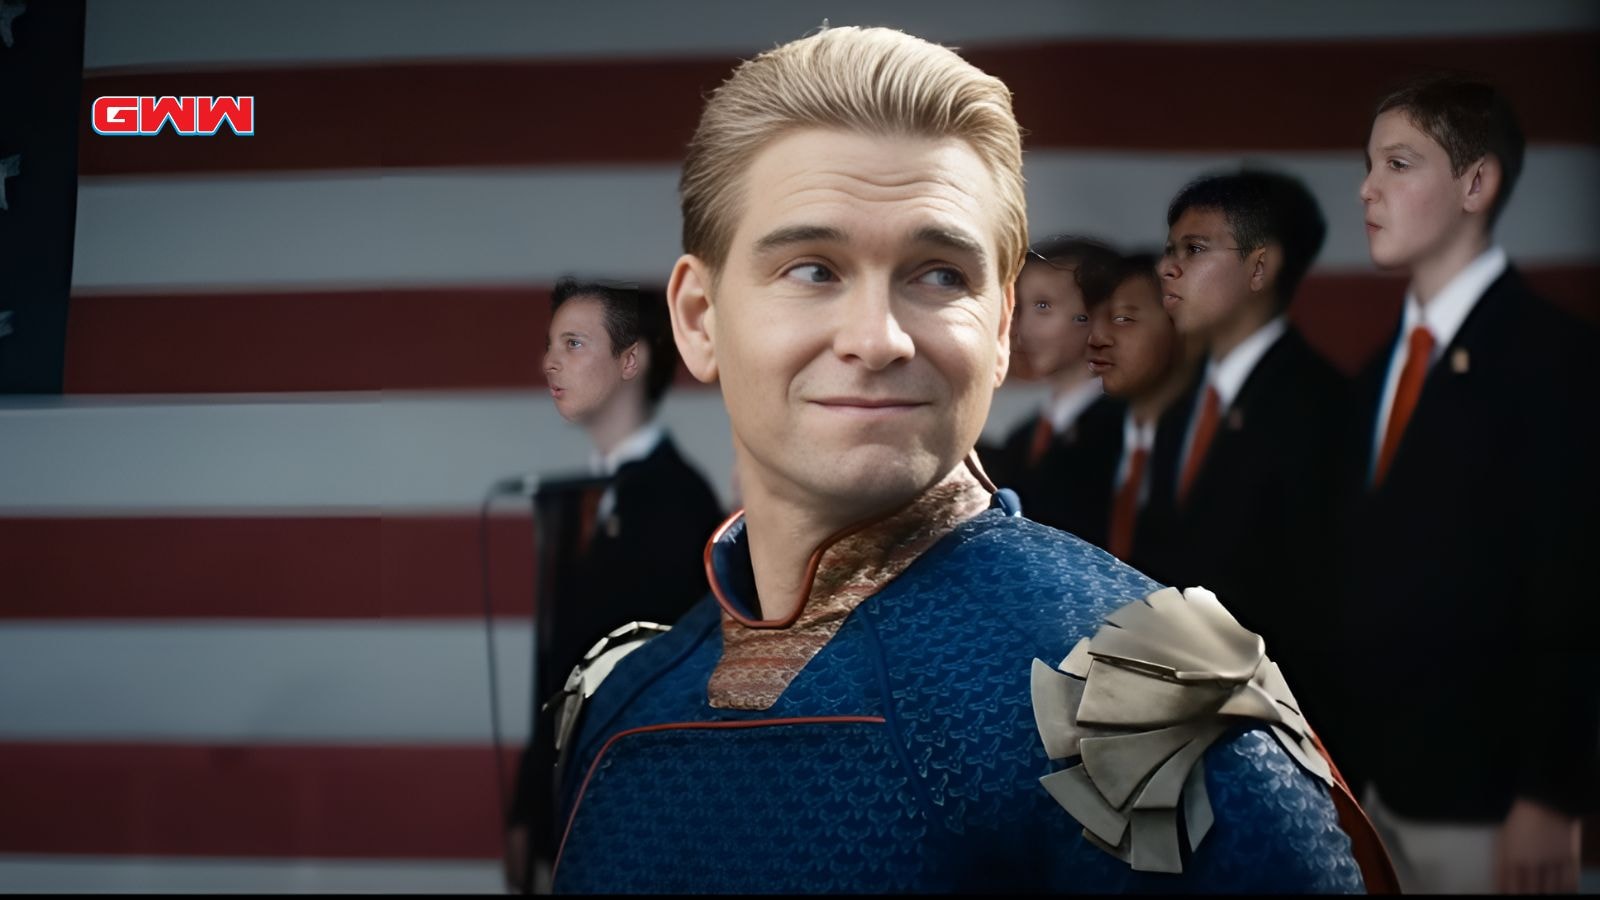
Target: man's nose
{"points": [[870, 330]]}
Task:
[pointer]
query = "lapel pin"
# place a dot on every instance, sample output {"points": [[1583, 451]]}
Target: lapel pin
{"points": [[1235, 419], [613, 526], [1460, 361]]}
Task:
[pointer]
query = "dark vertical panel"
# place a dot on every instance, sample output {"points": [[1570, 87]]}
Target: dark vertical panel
{"points": [[41, 73]]}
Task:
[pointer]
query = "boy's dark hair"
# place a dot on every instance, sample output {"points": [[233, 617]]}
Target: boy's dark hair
{"points": [[1094, 263], [1262, 207], [1469, 119], [632, 314], [1139, 265]]}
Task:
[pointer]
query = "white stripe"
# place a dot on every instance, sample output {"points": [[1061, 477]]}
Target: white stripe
{"points": [[49, 874], [411, 682], [337, 453], [164, 32], [444, 227]]}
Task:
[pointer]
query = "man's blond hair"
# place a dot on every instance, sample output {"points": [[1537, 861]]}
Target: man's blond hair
{"points": [[871, 80]]}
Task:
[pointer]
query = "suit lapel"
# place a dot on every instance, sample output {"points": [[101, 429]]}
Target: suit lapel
{"points": [[1446, 392]]}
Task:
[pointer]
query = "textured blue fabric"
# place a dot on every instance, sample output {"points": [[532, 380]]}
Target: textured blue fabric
{"points": [[943, 794]]}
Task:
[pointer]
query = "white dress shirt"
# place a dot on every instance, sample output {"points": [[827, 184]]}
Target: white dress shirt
{"points": [[1229, 374], [636, 446], [1443, 316], [1135, 436], [1064, 410]]}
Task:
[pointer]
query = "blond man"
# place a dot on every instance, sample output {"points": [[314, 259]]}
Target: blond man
{"points": [[869, 699]]}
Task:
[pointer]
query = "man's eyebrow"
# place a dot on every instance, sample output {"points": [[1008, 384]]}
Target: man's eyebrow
{"points": [[954, 238], [1196, 237], [572, 334], [799, 234]]}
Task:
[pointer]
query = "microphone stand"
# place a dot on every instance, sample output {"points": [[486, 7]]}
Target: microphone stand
{"points": [[540, 492]]}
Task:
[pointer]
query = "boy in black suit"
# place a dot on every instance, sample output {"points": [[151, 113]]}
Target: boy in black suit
{"points": [[1142, 361], [1473, 709], [1054, 459], [609, 359], [1241, 496]]}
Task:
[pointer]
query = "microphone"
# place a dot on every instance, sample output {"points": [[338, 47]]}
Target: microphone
{"points": [[524, 485]]}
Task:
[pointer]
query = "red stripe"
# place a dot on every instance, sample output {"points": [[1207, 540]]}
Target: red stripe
{"points": [[255, 801], [314, 341], [1348, 318], [286, 567], [493, 337], [1107, 94]]}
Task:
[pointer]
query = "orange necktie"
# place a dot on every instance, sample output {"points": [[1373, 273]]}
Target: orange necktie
{"points": [[1419, 354], [588, 510], [1204, 430], [1125, 509], [1042, 434]]}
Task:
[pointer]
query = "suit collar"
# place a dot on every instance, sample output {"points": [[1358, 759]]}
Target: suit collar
{"points": [[1137, 435], [1229, 374], [636, 446], [1064, 410], [1483, 322], [1447, 311]]}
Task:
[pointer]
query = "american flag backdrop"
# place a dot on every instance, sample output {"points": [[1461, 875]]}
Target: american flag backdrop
{"points": [[241, 644]]}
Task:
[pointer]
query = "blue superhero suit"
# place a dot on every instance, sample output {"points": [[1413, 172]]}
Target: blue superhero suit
{"points": [[904, 755]]}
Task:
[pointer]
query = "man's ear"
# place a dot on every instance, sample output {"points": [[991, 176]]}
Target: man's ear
{"points": [[1264, 263], [1480, 185], [635, 360], [1008, 308], [693, 319]]}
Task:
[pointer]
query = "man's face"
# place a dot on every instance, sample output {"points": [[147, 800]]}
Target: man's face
{"points": [[1204, 283], [1131, 339], [859, 327], [1413, 203], [578, 364], [1052, 325]]}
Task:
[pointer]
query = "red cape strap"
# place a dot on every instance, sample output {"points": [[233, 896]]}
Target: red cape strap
{"points": [[1377, 870]]}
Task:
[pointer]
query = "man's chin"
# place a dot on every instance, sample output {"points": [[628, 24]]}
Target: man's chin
{"points": [[877, 478]]}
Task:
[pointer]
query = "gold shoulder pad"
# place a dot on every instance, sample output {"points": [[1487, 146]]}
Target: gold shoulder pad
{"points": [[1140, 702]]}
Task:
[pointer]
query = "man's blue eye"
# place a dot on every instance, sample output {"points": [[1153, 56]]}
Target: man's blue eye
{"points": [[945, 277], [811, 273]]}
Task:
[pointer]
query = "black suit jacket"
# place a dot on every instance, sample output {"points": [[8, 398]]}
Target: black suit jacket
{"points": [[643, 562], [1256, 527], [1468, 615], [1070, 488]]}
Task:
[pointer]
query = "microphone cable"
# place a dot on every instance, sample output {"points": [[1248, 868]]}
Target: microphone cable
{"points": [[494, 665]]}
